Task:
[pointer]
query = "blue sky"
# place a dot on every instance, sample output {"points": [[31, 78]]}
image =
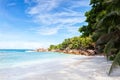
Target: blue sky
{"points": [[39, 23]]}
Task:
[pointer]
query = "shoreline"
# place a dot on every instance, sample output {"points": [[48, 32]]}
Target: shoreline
{"points": [[70, 68], [87, 52]]}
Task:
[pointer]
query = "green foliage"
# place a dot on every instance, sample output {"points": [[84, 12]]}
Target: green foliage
{"points": [[93, 16], [52, 47], [73, 43], [104, 28], [110, 25], [104, 19], [108, 48]]}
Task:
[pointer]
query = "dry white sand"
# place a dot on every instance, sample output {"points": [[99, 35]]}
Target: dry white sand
{"points": [[72, 68]]}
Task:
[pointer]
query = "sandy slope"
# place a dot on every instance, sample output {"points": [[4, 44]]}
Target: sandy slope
{"points": [[73, 68]]}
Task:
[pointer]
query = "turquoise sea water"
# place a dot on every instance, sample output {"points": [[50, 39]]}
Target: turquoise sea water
{"points": [[13, 57]]}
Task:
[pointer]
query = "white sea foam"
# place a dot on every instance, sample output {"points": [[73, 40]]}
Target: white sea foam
{"points": [[29, 51]]}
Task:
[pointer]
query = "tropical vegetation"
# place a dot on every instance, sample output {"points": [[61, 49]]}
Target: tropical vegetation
{"points": [[103, 29], [74, 43]]}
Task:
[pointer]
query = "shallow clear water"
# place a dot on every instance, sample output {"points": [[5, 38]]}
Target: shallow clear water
{"points": [[13, 57]]}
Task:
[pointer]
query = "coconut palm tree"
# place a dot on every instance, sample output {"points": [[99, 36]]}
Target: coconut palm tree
{"points": [[110, 25]]}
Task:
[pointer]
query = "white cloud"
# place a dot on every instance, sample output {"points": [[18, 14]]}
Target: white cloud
{"points": [[60, 12], [61, 18], [43, 6], [72, 29], [83, 3], [47, 30]]}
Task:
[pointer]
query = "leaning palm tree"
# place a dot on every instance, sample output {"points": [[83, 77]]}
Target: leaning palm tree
{"points": [[110, 25]]}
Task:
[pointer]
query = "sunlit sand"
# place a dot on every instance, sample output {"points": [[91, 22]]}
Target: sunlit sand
{"points": [[72, 68]]}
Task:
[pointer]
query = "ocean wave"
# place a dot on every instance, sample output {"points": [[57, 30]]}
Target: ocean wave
{"points": [[29, 51]]}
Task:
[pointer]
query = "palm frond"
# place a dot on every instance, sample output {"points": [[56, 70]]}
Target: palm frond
{"points": [[108, 19], [108, 47], [115, 62]]}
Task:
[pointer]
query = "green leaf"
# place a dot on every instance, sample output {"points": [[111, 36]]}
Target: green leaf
{"points": [[108, 47]]}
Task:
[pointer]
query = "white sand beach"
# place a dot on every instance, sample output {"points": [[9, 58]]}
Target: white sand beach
{"points": [[72, 68]]}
